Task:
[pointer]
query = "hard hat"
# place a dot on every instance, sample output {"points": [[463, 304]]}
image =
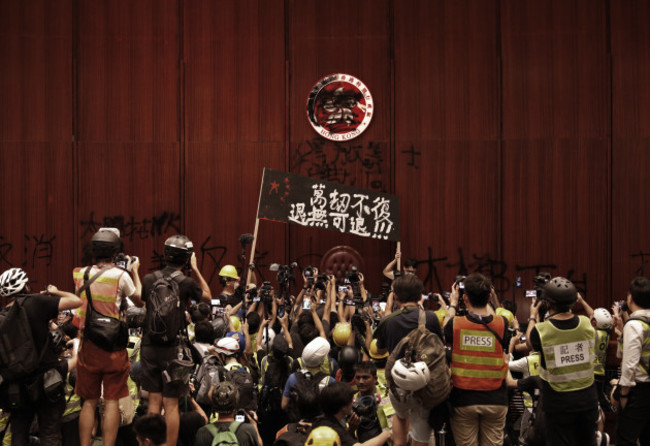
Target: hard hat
{"points": [[441, 313], [603, 319], [507, 314], [225, 397], [410, 376], [228, 346], [12, 281], [315, 352], [236, 322], [341, 333], [561, 291], [178, 250], [323, 436], [229, 271], [105, 243], [374, 354]]}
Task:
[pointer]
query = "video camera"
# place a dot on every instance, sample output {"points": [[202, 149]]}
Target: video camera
{"points": [[539, 282]]}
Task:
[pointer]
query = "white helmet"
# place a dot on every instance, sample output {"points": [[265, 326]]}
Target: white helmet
{"points": [[228, 346], [410, 376], [315, 352], [267, 340], [12, 281], [603, 319]]}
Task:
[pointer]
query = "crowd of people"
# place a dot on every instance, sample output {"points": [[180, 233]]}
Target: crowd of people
{"points": [[163, 360]]}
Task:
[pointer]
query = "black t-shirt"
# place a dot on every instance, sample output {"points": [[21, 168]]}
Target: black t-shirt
{"points": [[229, 299], [463, 397], [575, 401], [346, 438], [188, 289], [394, 327], [41, 308]]}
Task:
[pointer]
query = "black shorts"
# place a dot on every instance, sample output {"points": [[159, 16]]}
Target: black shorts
{"points": [[155, 360]]}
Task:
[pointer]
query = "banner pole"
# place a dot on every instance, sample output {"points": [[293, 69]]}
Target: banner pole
{"points": [[399, 261], [257, 225]]}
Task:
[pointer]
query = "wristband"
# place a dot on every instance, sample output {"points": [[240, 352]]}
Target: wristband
{"points": [[532, 319], [455, 307]]}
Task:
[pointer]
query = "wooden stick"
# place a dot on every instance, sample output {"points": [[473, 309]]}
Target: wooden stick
{"points": [[399, 261], [252, 257]]}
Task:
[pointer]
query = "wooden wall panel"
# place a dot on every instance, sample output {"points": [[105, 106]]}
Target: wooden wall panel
{"points": [[556, 142], [446, 133], [235, 120], [35, 140], [128, 70], [555, 69], [352, 38], [630, 39]]}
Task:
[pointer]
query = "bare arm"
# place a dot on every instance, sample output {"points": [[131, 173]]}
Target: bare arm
{"points": [[207, 294], [588, 310], [137, 296], [68, 300]]}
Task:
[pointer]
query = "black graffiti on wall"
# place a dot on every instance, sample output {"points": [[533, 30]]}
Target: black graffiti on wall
{"points": [[37, 249], [132, 227]]}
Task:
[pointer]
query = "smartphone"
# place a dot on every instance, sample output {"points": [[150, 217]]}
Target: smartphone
{"points": [[343, 289], [306, 304], [256, 299], [240, 418], [130, 345], [375, 306], [281, 310], [531, 294], [215, 302], [461, 285], [220, 311], [447, 294]]}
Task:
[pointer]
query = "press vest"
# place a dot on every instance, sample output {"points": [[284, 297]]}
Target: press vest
{"points": [[644, 360], [477, 361], [73, 404], [533, 370], [104, 292], [569, 355], [602, 342]]}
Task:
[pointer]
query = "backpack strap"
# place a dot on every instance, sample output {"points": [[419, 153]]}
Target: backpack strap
{"points": [[422, 319], [87, 282], [234, 426]]}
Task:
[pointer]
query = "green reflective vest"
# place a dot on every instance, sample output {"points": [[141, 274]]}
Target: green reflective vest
{"points": [[325, 366], [644, 360], [602, 342], [569, 355], [533, 370]]}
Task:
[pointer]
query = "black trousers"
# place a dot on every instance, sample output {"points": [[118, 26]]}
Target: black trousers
{"points": [[571, 428], [49, 422], [634, 421]]}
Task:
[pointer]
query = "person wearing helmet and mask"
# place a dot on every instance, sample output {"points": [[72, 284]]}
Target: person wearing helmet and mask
{"points": [[156, 357], [229, 279], [566, 345], [39, 309], [100, 372], [408, 292], [478, 341], [225, 401]]}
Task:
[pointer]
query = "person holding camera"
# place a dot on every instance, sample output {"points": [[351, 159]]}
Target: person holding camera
{"points": [[25, 396], [156, 355], [100, 369], [566, 344], [390, 331], [231, 428], [478, 343]]}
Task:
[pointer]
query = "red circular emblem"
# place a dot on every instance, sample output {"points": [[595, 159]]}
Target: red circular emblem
{"points": [[339, 107]]}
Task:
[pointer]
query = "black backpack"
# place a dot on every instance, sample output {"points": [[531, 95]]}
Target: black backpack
{"points": [[306, 384], [164, 313], [272, 385], [243, 380], [19, 355], [209, 373]]}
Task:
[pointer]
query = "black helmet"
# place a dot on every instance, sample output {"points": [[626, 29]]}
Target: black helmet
{"points": [[135, 317], [561, 291], [349, 356], [105, 243], [58, 340], [178, 250], [220, 326], [225, 397]]}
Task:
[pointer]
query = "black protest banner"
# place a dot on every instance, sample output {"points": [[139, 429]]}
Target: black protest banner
{"points": [[290, 198]]}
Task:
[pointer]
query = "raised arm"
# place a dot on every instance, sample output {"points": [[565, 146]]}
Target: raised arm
{"points": [[207, 294]]}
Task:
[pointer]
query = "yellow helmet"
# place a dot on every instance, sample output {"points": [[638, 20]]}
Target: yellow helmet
{"points": [[323, 436], [341, 333], [229, 271], [441, 313], [236, 323], [373, 351], [507, 314]]}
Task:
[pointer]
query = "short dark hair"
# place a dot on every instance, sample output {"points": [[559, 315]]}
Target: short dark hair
{"points": [[478, 289], [204, 332], [640, 291], [335, 396], [410, 263], [366, 366], [151, 426], [408, 288], [200, 312], [254, 322]]}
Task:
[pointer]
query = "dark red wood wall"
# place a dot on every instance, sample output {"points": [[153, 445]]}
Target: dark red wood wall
{"points": [[515, 132]]}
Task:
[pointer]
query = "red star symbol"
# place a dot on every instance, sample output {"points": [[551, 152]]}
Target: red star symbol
{"points": [[274, 187]]}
